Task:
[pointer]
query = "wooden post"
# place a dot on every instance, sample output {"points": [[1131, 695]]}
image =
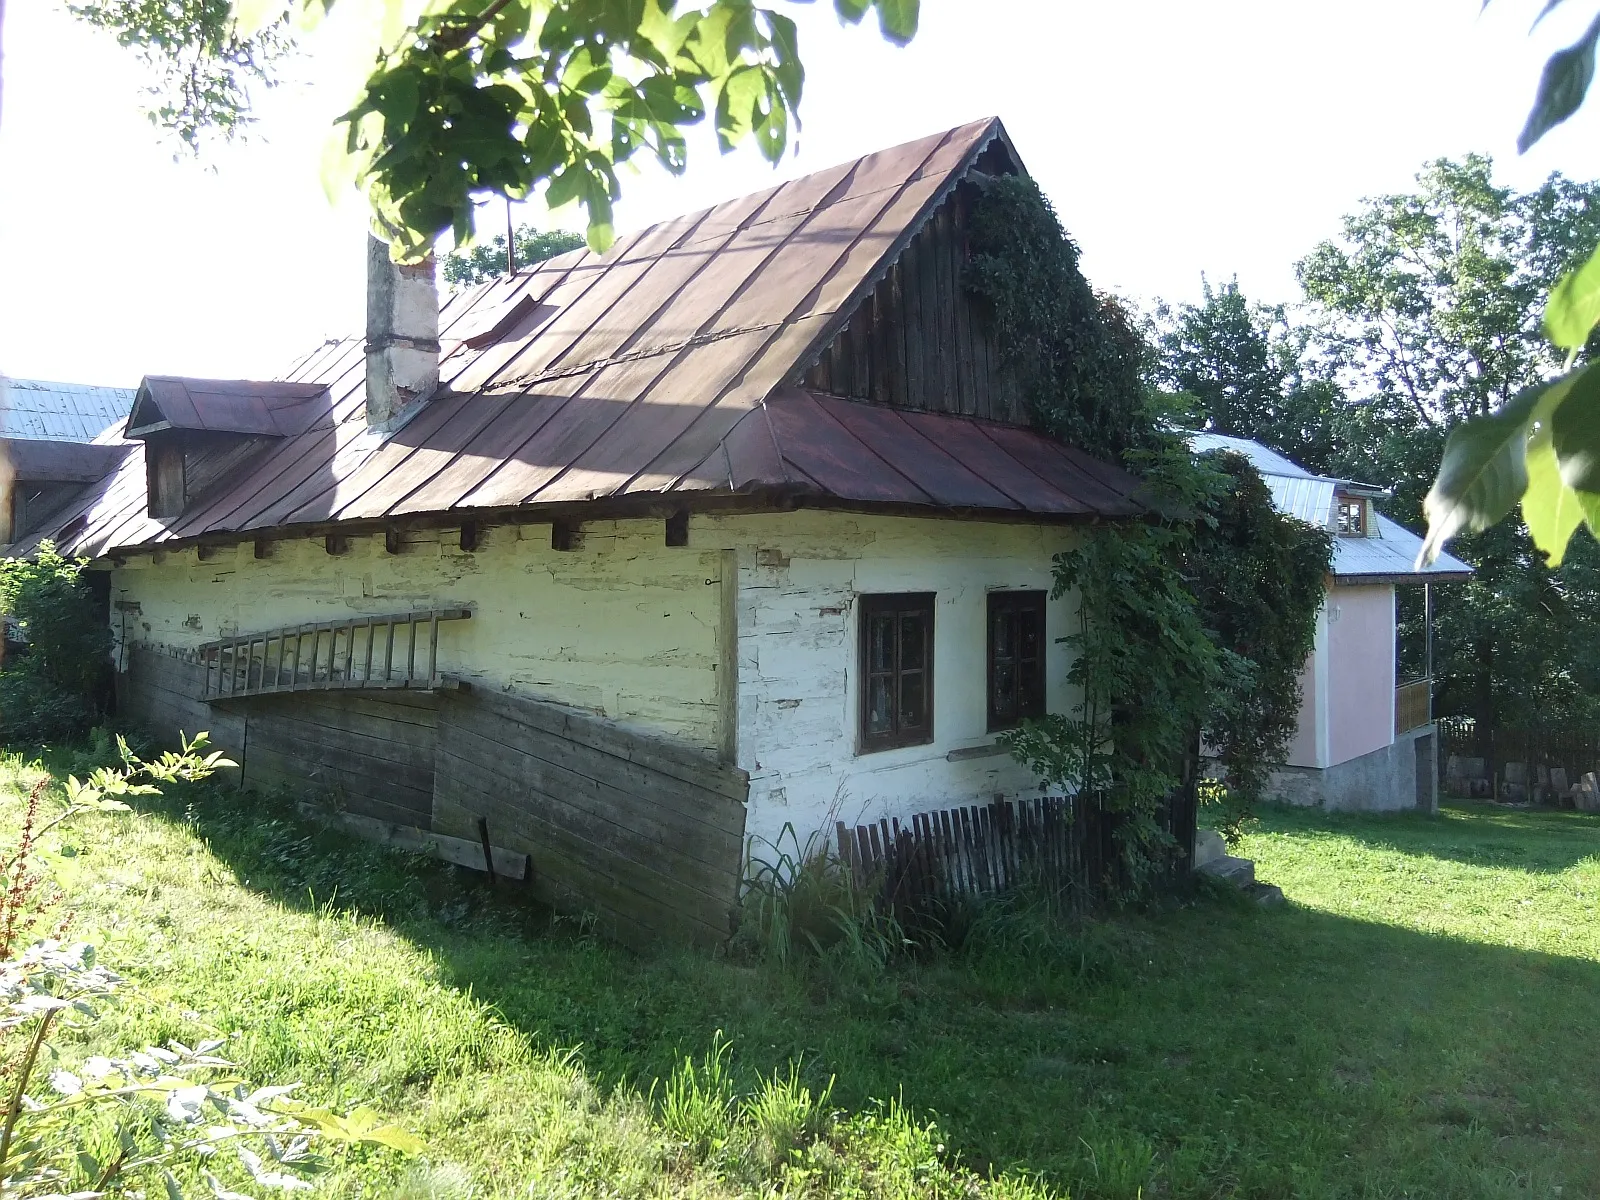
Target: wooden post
{"points": [[488, 850]]}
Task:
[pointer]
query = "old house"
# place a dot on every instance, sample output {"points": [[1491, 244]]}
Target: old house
{"points": [[1366, 737], [627, 563]]}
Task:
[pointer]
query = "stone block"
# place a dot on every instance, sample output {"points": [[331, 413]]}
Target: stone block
{"points": [[1241, 872], [1208, 846]]}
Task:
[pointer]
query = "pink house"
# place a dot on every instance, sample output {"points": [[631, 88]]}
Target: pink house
{"points": [[1365, 738]]}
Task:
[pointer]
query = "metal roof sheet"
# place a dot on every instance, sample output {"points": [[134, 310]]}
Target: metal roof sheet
{"points": [[657, 369], [1265, 459], [63, 412], [1302, 496], [1270, 463], [1390, 555]]}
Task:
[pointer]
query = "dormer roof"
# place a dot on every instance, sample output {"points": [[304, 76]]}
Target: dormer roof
{"points": [[244, 406]]}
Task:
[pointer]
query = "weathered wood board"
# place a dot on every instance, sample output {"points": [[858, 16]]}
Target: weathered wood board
{"points": [[510, 865], [373, 752], [921, 340], [646, 835]]}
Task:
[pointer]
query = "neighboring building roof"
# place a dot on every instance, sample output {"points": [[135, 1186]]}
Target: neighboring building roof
{"points": [[62, 412], [1388, 555], [649, 373], [36, 461], [225, 406]]}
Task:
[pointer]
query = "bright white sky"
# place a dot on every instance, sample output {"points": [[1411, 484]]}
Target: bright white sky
{"points": [[1175, 138]]}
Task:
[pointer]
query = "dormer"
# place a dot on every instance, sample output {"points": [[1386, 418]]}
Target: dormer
{"points": [[195, 431], [1353, 514], [45, 477]]}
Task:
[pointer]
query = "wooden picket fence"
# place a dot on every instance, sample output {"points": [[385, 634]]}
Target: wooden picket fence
{"points": [[1064, 845]]}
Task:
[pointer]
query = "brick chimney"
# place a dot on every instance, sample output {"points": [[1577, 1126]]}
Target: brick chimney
{"points": [[402, 336]]}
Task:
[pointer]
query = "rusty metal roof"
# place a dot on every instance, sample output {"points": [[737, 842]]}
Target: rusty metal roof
{"points": [[657, 370], [224, 406]]}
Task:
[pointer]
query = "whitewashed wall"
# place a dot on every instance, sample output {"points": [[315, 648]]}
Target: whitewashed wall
{"points": [[623, 626], [799, 576], [639, 632]]}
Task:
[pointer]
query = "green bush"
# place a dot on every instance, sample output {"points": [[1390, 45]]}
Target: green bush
{"points": [[54, 689]]}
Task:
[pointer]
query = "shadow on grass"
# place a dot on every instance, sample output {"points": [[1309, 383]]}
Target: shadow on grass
{"points": [[1247, 1051], [1538, 840]]}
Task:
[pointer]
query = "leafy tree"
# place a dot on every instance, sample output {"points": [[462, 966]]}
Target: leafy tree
{"points": [[1541, 446], [1075, 354], [1246, 373], [204, 66], [1426, 313], [480, 261], [500, 96]]}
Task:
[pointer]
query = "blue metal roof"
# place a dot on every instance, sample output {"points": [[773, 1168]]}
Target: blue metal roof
{"points": [[33, 409], [1388, 553]]}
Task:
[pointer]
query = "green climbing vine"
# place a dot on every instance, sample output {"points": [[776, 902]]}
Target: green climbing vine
{"points": [[1194, 623]]}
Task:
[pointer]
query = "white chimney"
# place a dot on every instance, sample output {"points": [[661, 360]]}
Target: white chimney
{"points": [[402, 335]]}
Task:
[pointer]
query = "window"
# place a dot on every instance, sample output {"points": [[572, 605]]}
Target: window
{"points": [[1016, 658], [1352, 517], [896, 670]]}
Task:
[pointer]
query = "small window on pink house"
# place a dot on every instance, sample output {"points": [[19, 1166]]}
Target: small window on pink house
{"points": [[1352, 517]]}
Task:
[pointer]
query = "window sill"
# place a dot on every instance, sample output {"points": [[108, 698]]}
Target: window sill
{"points": [[990, 750]]}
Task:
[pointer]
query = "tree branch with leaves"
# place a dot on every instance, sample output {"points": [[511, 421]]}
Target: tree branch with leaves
{"points": [[506, 97]]}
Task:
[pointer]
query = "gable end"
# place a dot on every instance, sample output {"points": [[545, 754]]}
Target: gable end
{"points": [[919, 340]]}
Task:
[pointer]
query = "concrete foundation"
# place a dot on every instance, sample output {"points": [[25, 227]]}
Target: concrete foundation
{"points": [[1402, 775]]}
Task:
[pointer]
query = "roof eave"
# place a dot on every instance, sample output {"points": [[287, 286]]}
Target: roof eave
{"points": [[1401, 577]]}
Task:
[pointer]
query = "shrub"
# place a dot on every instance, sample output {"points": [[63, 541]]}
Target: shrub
{"points": [[55, 688]]}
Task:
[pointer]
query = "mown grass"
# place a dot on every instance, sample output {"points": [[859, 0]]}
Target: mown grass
{"points": [[1418, 1021]]}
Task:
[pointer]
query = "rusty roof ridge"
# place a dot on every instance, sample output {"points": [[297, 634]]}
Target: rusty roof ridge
{"points": [[654, 262], [524, 280], [693, 342], [655, 314], [579, 258], [982, 427], [701, 338]]}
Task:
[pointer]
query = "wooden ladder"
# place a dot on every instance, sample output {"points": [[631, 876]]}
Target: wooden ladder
{"points": [[398, 651]]}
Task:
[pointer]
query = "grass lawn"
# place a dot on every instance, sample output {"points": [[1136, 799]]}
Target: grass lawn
{"points": [[1420, 1020]]}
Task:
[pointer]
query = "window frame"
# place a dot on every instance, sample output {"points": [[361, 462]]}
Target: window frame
{"points": [[874, 604], [1017, 600], [1359, 506]]}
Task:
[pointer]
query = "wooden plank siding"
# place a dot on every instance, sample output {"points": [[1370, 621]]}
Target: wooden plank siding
{"points": [[646, 835], [920, 340]]}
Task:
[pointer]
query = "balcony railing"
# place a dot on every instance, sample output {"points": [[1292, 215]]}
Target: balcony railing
{"points": [[399, 651], [1413, 705]]}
